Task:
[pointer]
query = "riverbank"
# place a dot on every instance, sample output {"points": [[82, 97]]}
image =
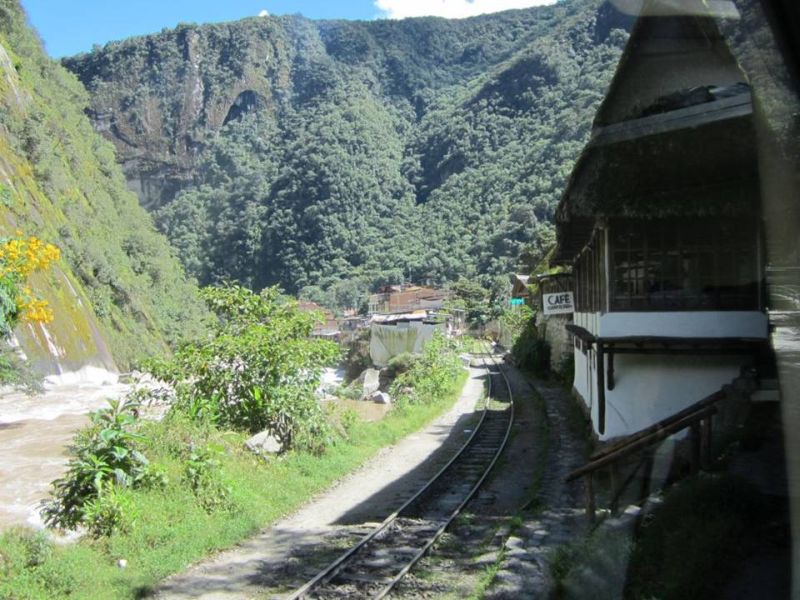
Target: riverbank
{"points": [[35, 430], [365, 496], [171, 528]]}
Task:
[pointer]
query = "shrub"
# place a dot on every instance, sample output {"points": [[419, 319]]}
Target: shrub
{"points": [[531, 351], [431, 374], [104, 457], [259, 370], [19, 258], [201, 472], [109, 512]]}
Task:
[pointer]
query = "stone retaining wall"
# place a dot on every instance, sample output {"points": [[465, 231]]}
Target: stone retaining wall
{"points": [[553, 331]]}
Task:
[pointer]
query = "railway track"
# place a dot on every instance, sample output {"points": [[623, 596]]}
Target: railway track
{"points": [[372, 567]]}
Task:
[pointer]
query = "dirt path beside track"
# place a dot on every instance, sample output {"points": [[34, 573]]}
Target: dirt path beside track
{"points": [[297, 546]]}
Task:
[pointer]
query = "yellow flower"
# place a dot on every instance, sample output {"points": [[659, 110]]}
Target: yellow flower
{"points": [[19, 257]]}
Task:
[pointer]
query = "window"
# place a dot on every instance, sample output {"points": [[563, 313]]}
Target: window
{"points": [[589, 277], [700, 264]]}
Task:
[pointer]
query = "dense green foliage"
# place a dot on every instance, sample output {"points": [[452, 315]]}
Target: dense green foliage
{"points": [[530, 351], [329, 157], [104, 458], [427, 377], [60, 182], [258, 370]]}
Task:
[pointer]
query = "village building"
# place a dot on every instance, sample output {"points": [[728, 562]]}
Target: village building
{"points": [[660, 223], [328, 326], [392, 299], [520, 291]]}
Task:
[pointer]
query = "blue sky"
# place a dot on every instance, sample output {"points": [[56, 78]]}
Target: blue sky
{"points": [[72, 26]]}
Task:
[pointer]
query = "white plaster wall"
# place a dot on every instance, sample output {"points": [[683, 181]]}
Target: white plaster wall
{"points": [[649, 388], [749, 324], [584, 375], [589, 321]]}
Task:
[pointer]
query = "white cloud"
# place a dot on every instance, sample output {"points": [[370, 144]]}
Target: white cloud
{"points": [[451, 9], [264, 13]]}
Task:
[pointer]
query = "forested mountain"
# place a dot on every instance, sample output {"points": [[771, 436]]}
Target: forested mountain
{"points": [[331, 156], [119, 291]]}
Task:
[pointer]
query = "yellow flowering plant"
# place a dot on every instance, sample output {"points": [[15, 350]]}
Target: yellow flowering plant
{"points": [[21, 256]]}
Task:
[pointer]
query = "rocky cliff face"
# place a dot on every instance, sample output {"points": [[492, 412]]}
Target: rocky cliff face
{"points": [[333, 154], [159, 98], [118, 293]]}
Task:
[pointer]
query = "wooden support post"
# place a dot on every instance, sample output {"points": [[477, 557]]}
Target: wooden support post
{"points": [[601, 389], [647, 474], [694, 437], [616, 488], [590, 507], [611, 369], [706, 443]]}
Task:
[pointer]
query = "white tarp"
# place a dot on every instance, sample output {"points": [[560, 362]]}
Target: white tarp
{"points": [[388, 341]]}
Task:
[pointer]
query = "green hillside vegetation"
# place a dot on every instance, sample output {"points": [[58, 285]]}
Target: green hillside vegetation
{"points": [[119, 289], [329, 157]]}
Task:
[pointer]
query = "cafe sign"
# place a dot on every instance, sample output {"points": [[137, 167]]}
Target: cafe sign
{"points": [[561, 303]]}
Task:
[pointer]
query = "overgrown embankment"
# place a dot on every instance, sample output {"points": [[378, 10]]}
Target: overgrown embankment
{"points": [[159, 495]]}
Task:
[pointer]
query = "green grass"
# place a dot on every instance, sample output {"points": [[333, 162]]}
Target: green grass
{"points": [[171, 528], [487, 577]]}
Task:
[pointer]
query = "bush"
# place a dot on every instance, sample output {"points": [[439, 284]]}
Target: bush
{"points": [[111, 511], [429, 376], [201, 472], [400, 364], [17, 372], [104, 458], [530, 351], [566, 368], [258, 371]]}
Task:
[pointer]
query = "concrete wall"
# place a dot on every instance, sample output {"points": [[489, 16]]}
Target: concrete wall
{"points": [[749, 324], [652, 387], [388, 341]]}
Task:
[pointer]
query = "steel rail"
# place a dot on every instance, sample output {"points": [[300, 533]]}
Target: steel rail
{"points": [[468, 497], [330, 572]]}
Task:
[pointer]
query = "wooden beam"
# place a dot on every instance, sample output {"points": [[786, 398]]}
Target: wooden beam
{"points": [[610, 377], [707, 401], [581, 333], [692, 116], [642, 443], [601, 390]]}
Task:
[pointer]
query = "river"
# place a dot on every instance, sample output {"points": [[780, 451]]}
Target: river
{"points": [[35, 431]]}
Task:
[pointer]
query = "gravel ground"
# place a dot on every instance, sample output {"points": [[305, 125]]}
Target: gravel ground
{"points": [[294, 549], [555, 516], [523, 512]]}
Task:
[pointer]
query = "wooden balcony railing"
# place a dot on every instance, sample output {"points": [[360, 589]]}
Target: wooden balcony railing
{"points": [[696, 418]]}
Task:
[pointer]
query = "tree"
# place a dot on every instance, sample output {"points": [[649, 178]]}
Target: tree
{"points": [[258, 370], [19, 258]]}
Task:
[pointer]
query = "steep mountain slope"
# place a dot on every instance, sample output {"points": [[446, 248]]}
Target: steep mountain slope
{"points": [[329, 156], [119, 291]]}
